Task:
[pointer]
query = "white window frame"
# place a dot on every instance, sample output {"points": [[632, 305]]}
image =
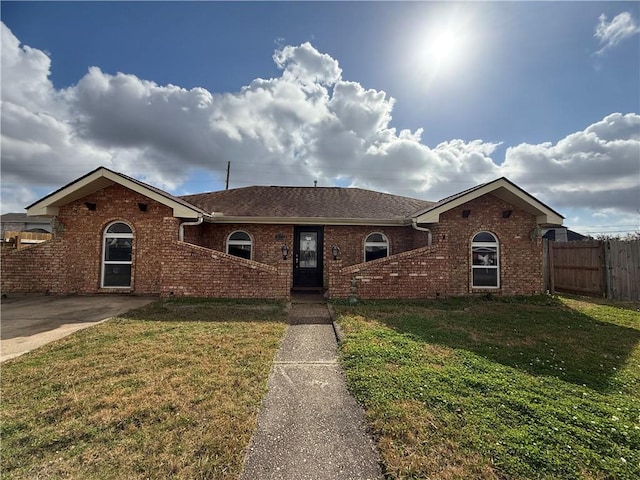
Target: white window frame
{"points": [[375, 244], [106, 235], [240, 242], [495, 244]]}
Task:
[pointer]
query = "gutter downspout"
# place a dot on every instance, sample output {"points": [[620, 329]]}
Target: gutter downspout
{"points": [[183, 224], [414, 224]]}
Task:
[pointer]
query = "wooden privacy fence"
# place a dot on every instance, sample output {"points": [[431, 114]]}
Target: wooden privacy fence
{"points": [[609, 268], [20, 240]]}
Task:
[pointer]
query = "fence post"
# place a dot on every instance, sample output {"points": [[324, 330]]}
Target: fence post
{"points": [[552, 272], [608, 269]]}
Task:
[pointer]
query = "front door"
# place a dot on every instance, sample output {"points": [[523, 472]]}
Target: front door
{"points": [[307, 257]]}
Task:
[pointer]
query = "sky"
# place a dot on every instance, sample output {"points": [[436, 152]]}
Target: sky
{"points": [[421, 99]]}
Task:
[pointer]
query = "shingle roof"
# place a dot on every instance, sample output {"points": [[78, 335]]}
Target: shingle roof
{"points": [[22, 217], [307, 202]]}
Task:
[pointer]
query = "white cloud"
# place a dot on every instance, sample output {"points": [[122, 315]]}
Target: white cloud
{"points": [[610, 34], [596, 168], [306, 124]]}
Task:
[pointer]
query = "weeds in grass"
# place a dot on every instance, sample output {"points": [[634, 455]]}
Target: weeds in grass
{"points": [[535, 389], [162, 392]]}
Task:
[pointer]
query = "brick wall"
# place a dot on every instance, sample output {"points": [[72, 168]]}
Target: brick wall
{"points": [[267, 239], [520, 256], [38, 269], [76, 250], [191, 270], [419, 273]]}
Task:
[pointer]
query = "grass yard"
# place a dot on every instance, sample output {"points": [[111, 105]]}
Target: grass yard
{"points": [[535, 388], [170, 390]]}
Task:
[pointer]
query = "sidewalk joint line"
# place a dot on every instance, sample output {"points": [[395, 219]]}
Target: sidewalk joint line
{"points": [[303, 362]]}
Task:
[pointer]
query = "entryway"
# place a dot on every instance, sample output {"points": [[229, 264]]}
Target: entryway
{"points": [[308, 258]]}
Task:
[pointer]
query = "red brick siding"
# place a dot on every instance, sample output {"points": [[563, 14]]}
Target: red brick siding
{"points": [[79, 253], [267, 239], [37, 269], [445, 268], [190, 270], [520, 256], [351, 239]]}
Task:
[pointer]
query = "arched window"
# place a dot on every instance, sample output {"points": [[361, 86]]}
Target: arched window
{"points": [[239, 244], [376, 245], [116, 255], [485, 269]]}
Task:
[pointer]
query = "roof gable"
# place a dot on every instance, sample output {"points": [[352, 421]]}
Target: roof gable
{"points": [[501, 188], [101, 178]]}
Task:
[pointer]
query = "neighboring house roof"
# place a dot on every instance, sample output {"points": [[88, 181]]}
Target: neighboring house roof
{"points": [[571, 235], [501, 188], [101, 178], [23, 218], [332, 205]]}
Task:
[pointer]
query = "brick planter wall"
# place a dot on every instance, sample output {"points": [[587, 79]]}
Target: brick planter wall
{"points": [[191, 270], [420, 273], [38, 269]]}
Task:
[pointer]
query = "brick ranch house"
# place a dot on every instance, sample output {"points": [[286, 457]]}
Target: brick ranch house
{"points": [[116, 234]]}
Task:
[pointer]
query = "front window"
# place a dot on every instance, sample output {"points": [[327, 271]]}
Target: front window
{"points": [[117, 255], [376, 245], [239, 245], [485, 270]]}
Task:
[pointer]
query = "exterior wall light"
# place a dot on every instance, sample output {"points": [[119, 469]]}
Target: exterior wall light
{"points": [[466, 213], [285, 251], [142, 207], [90, 205], [335, 251], [536, 233], [506, 213]]}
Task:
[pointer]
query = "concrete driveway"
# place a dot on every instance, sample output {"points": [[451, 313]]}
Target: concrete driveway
{"points": [[28, 322]]}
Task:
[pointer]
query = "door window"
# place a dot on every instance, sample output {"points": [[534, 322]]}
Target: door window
{"points": [[308, 249]]}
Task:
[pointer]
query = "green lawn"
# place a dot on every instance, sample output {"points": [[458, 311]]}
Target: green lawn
{"points": [[171, 390], [535, 388]]}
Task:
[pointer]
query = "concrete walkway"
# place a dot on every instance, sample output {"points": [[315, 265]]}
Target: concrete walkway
{"points": [[310, 427]]}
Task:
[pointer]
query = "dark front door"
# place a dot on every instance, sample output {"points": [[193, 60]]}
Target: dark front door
{"points": [[307, 257]]}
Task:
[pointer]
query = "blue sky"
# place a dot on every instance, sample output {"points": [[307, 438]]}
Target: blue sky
{"points": [[421, 99]]}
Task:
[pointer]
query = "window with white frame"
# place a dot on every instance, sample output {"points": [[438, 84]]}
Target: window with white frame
{"points": [[376, 245], [116, 255], [485, 269], [239, 244]]}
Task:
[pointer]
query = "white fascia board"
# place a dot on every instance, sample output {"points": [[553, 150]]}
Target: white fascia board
{"points": [[374, 222]]}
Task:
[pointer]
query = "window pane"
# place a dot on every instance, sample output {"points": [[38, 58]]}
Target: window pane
{"points": [[117, 275], [485, 277], [308, 250], [240, 236], [119, 228], [117, 249], [484, 237], [376, 238], [243, 251], [485, 255], [373, 253]]}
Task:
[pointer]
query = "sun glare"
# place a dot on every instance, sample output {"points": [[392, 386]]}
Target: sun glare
{"points": [[444, 48]]}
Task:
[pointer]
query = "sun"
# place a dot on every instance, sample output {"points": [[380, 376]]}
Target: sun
{"points": [[444, 48]]}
